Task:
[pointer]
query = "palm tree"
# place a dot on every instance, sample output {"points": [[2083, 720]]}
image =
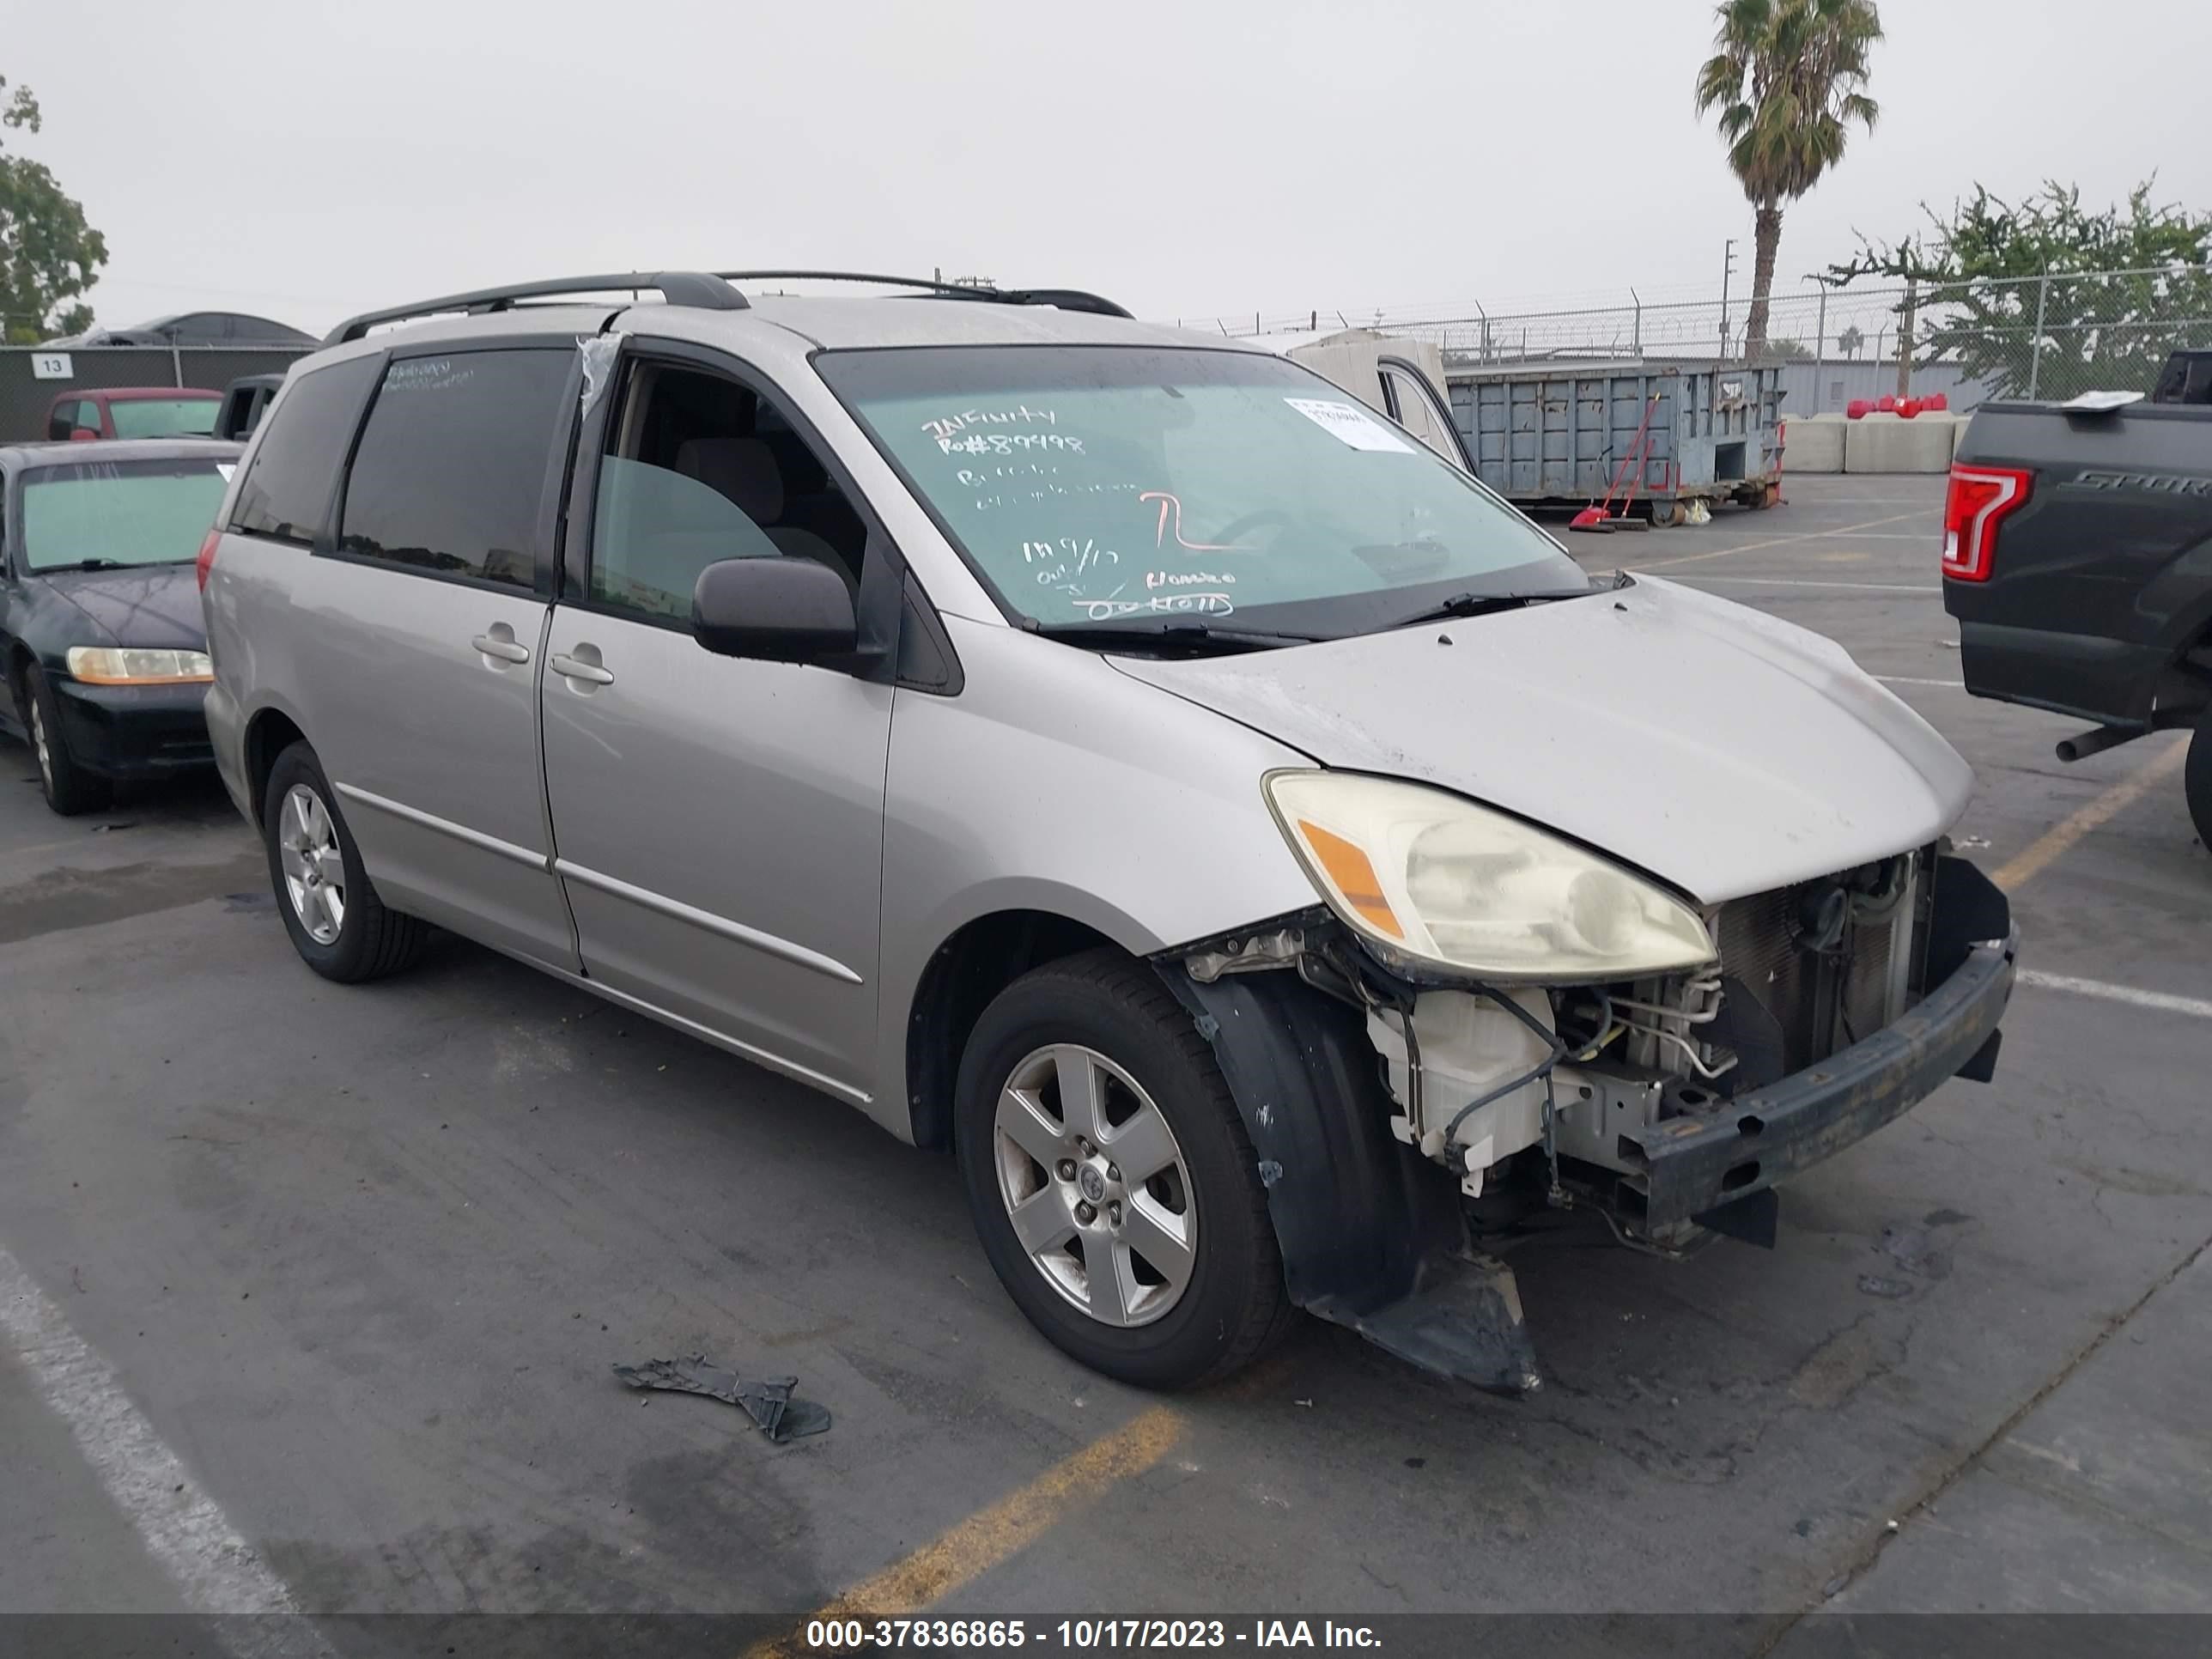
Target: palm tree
{"points": [[1786, 76]]}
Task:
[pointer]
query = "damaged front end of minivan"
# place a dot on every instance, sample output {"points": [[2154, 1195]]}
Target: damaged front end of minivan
{"points": [[1484, 1023]]}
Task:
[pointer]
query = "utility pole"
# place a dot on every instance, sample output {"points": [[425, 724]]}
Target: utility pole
{"points": [[1819, 343], [2034, 362], [1728, 270], [1906, 335]]}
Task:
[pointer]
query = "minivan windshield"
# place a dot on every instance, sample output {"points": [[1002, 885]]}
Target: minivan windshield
{"points": [[101, 513], [1152, 488]]}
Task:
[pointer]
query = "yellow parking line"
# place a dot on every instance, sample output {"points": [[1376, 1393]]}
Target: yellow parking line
{"points": [[1003, 1530], [1778, 541], [2034, 858]]}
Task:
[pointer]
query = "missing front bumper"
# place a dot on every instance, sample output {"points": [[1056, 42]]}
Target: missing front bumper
{"points": [[1691, 1166], [1374, 1234]]}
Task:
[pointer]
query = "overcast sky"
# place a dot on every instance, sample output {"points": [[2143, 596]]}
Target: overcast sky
{"points": [[1189, 158]]}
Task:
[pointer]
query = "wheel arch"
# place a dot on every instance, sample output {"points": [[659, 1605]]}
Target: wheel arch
{"points": [[268, 733], [19, 658], [977, 961]]}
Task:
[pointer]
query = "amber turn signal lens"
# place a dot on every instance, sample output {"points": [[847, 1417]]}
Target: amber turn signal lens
{"points": [[1348, 868]]}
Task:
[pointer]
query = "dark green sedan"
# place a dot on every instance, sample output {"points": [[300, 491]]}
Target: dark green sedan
{"points": [[101, 635]]}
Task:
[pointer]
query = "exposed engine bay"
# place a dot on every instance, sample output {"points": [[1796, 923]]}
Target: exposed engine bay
{"points": [[1406, 1122], [1569, 1085]]}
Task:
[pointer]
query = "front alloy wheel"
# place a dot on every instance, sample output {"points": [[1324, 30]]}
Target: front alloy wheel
{"points": [[1112, 1182], [39, 747], [1095, 1185], [68, 786]]}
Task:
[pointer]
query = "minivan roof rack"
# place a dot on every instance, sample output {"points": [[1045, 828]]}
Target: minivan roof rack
{"points": [[1063, 299], [710, 291], [677, 288]]}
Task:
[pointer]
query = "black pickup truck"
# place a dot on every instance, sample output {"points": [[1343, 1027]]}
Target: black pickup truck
{"points": [[2077, 558]]}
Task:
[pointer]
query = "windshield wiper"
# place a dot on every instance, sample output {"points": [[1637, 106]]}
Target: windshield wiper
{"points": [[1480, 604], [108, 564], [1181, 631]]}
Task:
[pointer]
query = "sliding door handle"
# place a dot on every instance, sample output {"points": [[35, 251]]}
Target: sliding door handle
{"points": [[501, 644], [575, 668]]}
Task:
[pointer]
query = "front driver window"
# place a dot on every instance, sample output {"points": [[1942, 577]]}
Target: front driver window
{"points": [[656, 529], [697, 469]]}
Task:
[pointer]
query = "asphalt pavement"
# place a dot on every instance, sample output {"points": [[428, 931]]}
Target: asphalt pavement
{"points": [[356, 1262]]}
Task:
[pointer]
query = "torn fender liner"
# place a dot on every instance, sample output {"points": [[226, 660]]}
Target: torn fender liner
{"points": [[766, 1399], [1969, 909], [1371, 1233], [1463, 1323]]}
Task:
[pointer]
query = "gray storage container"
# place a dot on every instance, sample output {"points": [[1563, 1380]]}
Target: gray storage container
{"points": [[1553, 434]]}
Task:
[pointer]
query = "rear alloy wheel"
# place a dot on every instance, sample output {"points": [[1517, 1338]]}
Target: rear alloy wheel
{"points": [[339, 926], [1111, 1180], [314, 868], [2197, 780], [69, 788]]}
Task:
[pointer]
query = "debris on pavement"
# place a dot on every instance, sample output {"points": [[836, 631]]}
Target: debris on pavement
{"points": [[767, 1399]]}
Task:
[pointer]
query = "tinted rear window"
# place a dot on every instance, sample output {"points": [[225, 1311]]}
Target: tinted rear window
{"points": [[288, 493], [453, 462]]}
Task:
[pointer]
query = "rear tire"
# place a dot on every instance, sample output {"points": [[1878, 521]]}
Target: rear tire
{"points": [[69, 788], [1192, 1207], [339, 926], [2196, 780]]}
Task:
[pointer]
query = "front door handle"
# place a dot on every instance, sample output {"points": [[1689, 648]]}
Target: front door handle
{"points": [[501, 642], [575, 668]]}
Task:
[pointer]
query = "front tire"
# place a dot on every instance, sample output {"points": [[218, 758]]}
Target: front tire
{"points": [[2196, 780], [339, 926], [1111, 1180], [69, 788]]}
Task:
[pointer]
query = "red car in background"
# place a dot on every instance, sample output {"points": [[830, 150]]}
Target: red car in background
{"points": [[133, 411]]}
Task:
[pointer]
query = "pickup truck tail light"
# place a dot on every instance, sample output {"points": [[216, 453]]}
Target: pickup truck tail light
{"points": [[1981, 499], [204, 566]]}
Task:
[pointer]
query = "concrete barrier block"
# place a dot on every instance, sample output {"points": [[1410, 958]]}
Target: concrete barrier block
{"points": [[1887, 443], [1812, 444]]}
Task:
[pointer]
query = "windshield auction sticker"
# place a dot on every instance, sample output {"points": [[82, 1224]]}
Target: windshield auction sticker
{"points": [[1350, 424]]}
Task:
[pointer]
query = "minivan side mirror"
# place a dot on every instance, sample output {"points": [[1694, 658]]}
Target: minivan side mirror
{"points": [[782, 610]]}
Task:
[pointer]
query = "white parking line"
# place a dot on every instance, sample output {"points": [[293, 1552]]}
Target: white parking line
{"points": [[2161, 1001], [1772, 541], [1906, 679], [1799, 582], [216, 1569]]}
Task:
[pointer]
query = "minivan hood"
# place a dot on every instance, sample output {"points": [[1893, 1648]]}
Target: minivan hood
{"points": [[157, 605], [1708, 743]]}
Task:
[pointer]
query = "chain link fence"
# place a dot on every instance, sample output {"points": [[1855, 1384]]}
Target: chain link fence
{"points": [[2047, 336]]}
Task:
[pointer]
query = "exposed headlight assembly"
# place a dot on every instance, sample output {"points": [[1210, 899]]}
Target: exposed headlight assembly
{"points": [[1426, 877], [107, 664]]}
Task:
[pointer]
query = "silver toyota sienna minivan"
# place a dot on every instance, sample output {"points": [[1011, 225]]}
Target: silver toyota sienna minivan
{"points": [[1264, 859]]}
